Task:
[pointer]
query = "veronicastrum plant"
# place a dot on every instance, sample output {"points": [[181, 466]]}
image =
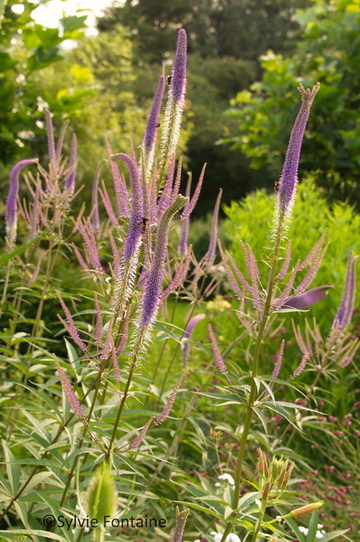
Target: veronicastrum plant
{"points": [[287, 289], [104, 452], [129, 273]]}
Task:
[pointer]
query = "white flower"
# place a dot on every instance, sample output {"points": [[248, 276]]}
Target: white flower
{"points": [[228, 478], [303, 530], [318, 535], [217, 484], [229, 538]]}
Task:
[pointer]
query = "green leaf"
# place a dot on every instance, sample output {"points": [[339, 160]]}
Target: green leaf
{"points": [[208, 511], [13, 470], [13, 534], [334, 534], [310, 537]]}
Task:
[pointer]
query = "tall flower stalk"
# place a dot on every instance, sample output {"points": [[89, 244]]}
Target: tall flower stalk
{"points": [[286, 191]]}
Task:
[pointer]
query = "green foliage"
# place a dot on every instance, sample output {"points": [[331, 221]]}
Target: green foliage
{"points": [[329, 52], [251, 219], [26, 49], [217, 29]]}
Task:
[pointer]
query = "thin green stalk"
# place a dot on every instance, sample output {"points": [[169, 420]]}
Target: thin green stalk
{"points": [[254, 374], [164, 345], [259, 521], [123, 399]]}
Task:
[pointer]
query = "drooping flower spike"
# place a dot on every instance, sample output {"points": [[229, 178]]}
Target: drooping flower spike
{"points": [[11, 202], [188, 333]]}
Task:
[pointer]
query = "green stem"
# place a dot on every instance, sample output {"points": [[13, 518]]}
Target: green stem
{"points": [[254, 374], [259, 522], [124, 397]]}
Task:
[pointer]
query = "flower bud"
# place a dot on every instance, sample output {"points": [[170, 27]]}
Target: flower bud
{"points": [[306, 509], [102, 495]]}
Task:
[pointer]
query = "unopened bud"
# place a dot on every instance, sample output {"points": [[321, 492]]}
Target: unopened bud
{"points": [[181, 518], [266, 490], [102, 494], [306, 509]]}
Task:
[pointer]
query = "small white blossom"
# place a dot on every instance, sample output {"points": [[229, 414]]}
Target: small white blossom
{"points": [[229, 538], [217, 484], [319, 535], [228, 478], [303, 530]]}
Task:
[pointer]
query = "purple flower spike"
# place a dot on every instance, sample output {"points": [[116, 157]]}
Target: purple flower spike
{"points": [[11, 202], [50, 136], [278, 360], [70, 179], [170, 402], [288, 180], [217, 354], [121, 193], [191, 205], [73, 401], [142, 434], [95, 218], [308, 298], [152, 123], [211, 251], [346, 308], [187, 334], [136, 218], [152, 294], [178, 79]]}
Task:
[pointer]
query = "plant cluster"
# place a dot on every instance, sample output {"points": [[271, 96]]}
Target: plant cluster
{"points": [[94, 428]]}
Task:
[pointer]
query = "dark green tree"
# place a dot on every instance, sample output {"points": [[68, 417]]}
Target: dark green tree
{"points": [[329, 52], [236, 28]]}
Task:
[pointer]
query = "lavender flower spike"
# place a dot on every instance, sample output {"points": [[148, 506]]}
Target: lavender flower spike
{"points": [[178, 79], [152, 294], [70, 179], [136, 219], [288, 179], [175, 102], [217, 354], [73, 401], [152, 123], [187, 334], [170, 402], [344, 314], [11, 202], [211, 251]]}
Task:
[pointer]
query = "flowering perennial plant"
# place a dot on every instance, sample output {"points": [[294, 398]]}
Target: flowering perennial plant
{"points": [[111, 440]]}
